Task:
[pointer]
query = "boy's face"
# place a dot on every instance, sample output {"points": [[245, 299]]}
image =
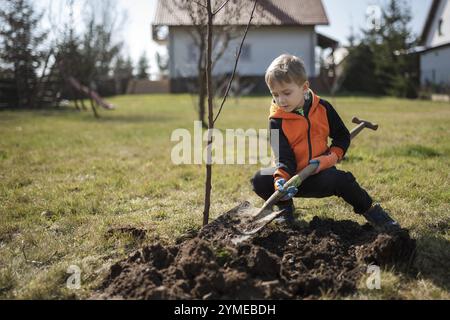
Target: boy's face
{"points": [[289, 96]]}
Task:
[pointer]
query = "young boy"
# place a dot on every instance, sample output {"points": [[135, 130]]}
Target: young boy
{"points": [[305, 121]]}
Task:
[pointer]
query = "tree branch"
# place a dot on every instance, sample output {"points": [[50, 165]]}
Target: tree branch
{"points": [[236, 63], [199, 3], [224, 45], [221, 7]]}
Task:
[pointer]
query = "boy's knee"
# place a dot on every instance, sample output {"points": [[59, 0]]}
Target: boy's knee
{"points": [[349, 178], [342, 180], [262, 183], [346, 178], [258, 180], [263, 176]]}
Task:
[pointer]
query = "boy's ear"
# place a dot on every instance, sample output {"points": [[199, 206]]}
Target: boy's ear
{"points": [[306, 85]]}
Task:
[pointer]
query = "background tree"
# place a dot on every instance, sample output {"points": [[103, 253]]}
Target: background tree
{"points": [[21, 47], [86, 49], [360, 70], [100, 46], [143, 67], [122, 73], [68, 56], [380, 63], [397, 41]]}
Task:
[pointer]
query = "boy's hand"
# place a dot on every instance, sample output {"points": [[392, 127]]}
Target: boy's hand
{"points": [[326, 162], [290, 192]]}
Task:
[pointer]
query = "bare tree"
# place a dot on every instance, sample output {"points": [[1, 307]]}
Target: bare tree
{"points": [[86, 59], [210, 95], [223, 34]]}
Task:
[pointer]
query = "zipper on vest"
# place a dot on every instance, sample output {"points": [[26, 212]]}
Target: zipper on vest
{"points": [[307, 110], [309, 139]]}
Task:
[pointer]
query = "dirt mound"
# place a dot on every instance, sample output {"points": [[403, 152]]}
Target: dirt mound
{"points": [[281, 262]]}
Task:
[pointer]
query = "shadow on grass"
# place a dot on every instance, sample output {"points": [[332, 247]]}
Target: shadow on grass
{"points": [[433, 260], [353, 159], [128, 119], [86, 115], [40, 111], [414, 151]]}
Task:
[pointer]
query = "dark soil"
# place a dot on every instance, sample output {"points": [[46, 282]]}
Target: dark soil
{"points": [[137, 234], [281, 262]]}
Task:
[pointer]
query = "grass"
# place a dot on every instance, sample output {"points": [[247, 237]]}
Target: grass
{"points": [[67, 179]]}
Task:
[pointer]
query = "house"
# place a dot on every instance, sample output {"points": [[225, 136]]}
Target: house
{"points": [[435, 51], [279, 26]]}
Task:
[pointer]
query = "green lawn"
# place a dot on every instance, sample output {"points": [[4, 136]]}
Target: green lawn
{"points": [[67, 178]]}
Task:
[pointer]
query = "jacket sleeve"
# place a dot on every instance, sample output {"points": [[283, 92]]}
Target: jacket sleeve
{"points": [[339, 134], [285, 161]]}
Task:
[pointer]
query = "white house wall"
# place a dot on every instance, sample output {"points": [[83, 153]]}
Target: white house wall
{"points": [[436, 38], [435, 66], [264, 43]]}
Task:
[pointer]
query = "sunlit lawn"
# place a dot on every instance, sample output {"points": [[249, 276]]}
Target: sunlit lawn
{"points": [[67, 178]]}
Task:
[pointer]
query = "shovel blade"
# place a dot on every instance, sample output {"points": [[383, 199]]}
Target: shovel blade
{"points": [[253, 220], [253, 213], [258, 224]]}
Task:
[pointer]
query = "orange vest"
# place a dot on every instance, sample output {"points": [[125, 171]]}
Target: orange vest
{"points": [[307, 136]]}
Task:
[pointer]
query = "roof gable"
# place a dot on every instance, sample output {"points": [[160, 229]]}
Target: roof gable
{"points": [[437, 25], [269, 12]]}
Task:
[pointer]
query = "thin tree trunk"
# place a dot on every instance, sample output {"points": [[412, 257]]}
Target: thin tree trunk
{"points": [[211, 119], [38, 90], [202, 97], [83, 105], [94, 110], [75, 101], [74, 95], [201, 83], [208, 185]]}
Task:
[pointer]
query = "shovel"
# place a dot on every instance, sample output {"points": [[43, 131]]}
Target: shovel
{"points": [[256, 219]]}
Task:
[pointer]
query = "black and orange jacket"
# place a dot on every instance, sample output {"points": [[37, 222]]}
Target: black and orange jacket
{"points": [[302, 138]]}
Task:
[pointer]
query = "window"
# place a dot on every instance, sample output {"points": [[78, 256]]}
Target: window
{"points": [[440, 27], [161, 33], [246, 52], [192, 52]]}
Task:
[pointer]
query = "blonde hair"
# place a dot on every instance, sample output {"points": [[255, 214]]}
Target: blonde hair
{"points": [[286, 68]]}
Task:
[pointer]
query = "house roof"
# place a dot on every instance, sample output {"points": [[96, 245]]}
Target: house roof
{"points": [[324, 41], [431, 16], [269, 13]]}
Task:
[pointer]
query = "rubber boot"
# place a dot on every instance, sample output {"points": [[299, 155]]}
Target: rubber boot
{"points": [[288, 209], [380, 219]]}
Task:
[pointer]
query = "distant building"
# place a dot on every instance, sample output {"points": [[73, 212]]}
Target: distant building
{"points": [[284, 26], [435, 51]]}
